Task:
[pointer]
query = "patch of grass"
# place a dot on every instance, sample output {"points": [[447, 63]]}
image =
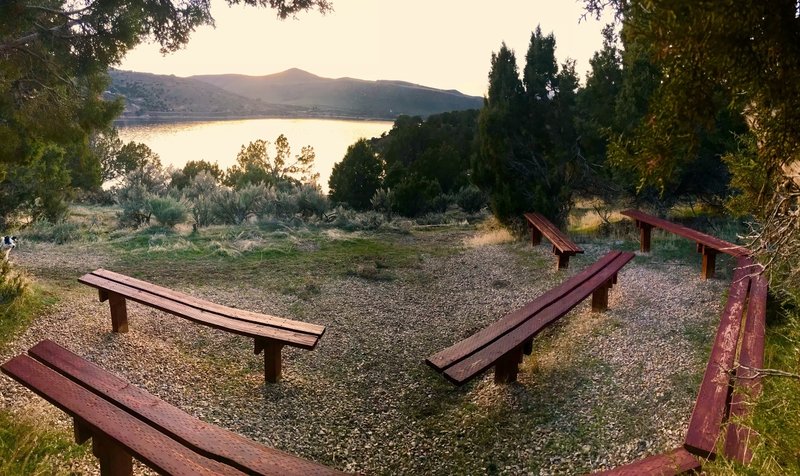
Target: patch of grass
{"points": [[20, 302], [27, 448], [290, 262]]}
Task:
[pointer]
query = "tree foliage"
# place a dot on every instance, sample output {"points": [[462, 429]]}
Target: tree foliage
{"points": [[751, 51], [527, 135], [54, 57], [357, 177], [254, 165]]}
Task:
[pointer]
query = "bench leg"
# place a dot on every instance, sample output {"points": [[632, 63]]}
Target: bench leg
{"points": [[644, 236], [272, 358], [709, 263], [81, 431], [119, 313], [527, 347], [600, 297], [536, 235], [114, 460], [563, 260], [507, 367]]}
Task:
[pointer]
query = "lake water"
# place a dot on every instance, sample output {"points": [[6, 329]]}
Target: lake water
{"points": [[220, 141]]}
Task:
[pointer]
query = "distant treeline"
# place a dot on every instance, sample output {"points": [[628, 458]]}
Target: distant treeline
{"points": [[542, 140]]}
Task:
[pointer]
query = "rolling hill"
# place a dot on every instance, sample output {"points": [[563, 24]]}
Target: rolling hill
{"points": [[292, 93]]}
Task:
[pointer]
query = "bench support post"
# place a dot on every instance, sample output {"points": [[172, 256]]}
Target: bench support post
{"points": [[645, 231], [119, 313], [709, 262], [507, 367], [563, 259], [536, 235], [272, 358], [81, 431], [600, 297], [114, 460]]}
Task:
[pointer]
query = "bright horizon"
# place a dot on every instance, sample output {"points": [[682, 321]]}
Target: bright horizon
{"points": [[442, 44]]}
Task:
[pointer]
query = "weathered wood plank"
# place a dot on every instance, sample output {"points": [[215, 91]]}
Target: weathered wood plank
{"points": [[740, 439], [206, 439], [710, 408], [460, 350], [248, 316], [686, 232], [102, 418], [249, 329], [552, 233], [677, 461], [472, 365]]}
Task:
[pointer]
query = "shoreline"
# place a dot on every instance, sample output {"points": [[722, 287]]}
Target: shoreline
{"points": [[178, 118]]}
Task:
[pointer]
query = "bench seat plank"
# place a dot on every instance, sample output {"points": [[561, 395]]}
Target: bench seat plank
{"points": [[240, 314], [249, 329], [209, 440], [472, 365], [677, 461], [710, 407], [740, 439], [686, 232], [556, 236], [447, 357], [142, 441], [563, 247]]}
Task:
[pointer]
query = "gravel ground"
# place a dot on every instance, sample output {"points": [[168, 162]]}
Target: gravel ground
{"points": [[599, 390]]}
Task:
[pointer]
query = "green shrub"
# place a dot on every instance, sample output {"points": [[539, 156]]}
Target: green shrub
{"points": [[233, 207], [311, 201], [415, 195], [470, 199], [60, 233], [383, 201], [168, 211], [13, 284]]}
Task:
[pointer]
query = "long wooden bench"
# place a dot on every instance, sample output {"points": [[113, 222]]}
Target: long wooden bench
{"points": [[502, 344], [709, 246], [563, 247], [738, 350], [269, 333], [124, 421]]}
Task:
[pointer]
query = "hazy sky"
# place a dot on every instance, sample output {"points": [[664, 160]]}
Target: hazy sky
{"points": [[440, 43]]}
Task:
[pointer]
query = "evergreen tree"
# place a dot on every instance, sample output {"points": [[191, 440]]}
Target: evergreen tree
{"points": [[528, 142], [357, 177]]}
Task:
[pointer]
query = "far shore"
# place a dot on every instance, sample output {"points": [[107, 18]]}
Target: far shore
{"points": [[176, 118]]}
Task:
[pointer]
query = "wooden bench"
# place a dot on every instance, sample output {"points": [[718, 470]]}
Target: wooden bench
{"points": [[563, 248], [708, 245], [730, 381], [269, 333], [124, 421], [677, 461], [502, 344]]}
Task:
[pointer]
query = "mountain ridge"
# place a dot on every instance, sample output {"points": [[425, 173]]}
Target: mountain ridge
{"points": [[290, 93]]}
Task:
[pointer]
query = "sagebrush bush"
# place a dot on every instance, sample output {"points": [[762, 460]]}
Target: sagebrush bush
{"points": [[383, 201], [233, 207], [311, 201], [470, 199], [168, 211], [59, 233], [13, 284]]}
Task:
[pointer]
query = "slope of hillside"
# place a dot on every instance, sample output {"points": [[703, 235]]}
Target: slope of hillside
{"points": [[158, 96], [385, 99]]}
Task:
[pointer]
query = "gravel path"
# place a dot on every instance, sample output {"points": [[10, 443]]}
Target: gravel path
{"points": [[598, 391]]}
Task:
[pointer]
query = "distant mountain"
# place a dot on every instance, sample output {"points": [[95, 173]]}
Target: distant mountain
{"points": [[386, 99], [154, 96], [292, 93]]}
